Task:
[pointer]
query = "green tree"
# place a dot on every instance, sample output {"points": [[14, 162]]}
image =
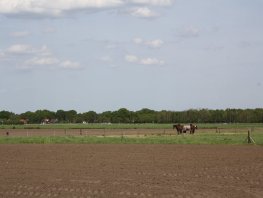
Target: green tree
{"points": [[146, 116], [105, 117], [90, 117], [121, 116], [5, 115], [61, 115], [71, 116]]}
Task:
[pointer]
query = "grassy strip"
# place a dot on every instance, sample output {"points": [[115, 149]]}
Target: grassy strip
{"points": [[181, 139], [88, 126], [129, 126]]}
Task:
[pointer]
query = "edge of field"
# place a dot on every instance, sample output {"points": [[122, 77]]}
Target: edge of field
{"points": [[208, 133], [236, 139], [130, 126]]}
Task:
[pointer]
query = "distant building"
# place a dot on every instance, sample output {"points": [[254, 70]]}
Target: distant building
{"points": [[49, 121], [23, 121], [45, 121]]}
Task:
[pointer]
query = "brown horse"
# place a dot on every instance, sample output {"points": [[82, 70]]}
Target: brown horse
{"points": [[192, 128], [184, 128], [179, 128]]}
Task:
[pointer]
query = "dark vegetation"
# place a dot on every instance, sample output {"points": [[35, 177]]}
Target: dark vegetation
{"points": [[142, 116]]}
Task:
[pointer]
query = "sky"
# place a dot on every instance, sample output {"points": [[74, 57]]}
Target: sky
{"points": [[103, 55]]}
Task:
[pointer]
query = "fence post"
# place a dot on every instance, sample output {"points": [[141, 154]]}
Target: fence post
{"points": [[249, 138], [122, 136]]}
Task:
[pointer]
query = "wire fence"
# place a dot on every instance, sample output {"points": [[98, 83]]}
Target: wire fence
{"points": [[118, 132]]}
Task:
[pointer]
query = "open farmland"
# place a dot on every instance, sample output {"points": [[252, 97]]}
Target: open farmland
{"points": [[121, 129], [92, 170], [160, 134], [129, 162]]}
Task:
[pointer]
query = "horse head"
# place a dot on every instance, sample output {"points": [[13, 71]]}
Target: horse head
{"points": [[193, 128]]}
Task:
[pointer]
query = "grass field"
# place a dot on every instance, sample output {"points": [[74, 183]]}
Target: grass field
{"points": [[202, 138], [129, 134], [128, 126]]}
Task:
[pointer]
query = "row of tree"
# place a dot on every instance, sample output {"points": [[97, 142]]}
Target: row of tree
{"points": [[142, 116]]}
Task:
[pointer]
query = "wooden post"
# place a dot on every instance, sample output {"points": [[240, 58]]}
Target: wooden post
{"points": [[249, 138], [122, 136]]}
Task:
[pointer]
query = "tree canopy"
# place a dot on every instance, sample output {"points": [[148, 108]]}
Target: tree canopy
{"points": [[144, 115]]}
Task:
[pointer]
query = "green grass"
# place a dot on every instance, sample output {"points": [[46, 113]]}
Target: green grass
{"points": [[128, 126], [205, 138], [87, 126], [232, 134]]}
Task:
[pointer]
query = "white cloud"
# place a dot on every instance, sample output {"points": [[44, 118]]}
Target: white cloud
{"points": [[151, 61], [60, 8], [37, 58], [20, 34], [52, 8], [24, 49], [131, 58], [138, 40], [42, 61], [20, 49], [143, 12], [70, 65], [156, 43], [44, 51], [2, 54], [188, 32], [143, 61], [153, 2], [48, 63]]}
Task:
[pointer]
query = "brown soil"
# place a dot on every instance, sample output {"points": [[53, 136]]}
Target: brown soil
{"points": [[131, 171]]}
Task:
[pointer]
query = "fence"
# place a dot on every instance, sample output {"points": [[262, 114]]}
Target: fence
{"points": [[116, 132]]}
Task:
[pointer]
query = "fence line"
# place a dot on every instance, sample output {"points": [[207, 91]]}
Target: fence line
{"points": [[115, 132]]}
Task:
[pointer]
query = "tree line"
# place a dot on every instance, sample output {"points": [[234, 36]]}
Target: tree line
{"points": [[144, 115]]}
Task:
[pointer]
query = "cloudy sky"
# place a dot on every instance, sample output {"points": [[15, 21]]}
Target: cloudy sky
{"points": [[107, 54]]}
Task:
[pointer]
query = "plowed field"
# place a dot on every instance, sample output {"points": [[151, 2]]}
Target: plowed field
{"points": [[131, 171]]}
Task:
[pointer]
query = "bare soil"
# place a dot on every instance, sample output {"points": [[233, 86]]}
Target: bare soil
{"points": [[145, 171]]}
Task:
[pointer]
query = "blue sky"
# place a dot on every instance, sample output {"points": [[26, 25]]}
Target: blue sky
{"points": [[107, 54]]}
